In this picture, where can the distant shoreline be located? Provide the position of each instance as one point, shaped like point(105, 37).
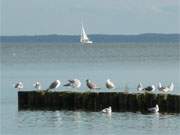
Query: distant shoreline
point(97, 38)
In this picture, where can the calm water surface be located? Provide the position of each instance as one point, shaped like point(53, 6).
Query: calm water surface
point(125, 63)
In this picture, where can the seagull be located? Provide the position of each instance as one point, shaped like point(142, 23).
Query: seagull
point(107, 110)
point(75, 83)
point(110, 84)
point(91, 85)
point(54, 85)
point(171, 86)
point(149, 88)
point(161, 88)
point(37, 85)
point(140, 87)
point(165, 89)
point(19, 85)
point(154, 109)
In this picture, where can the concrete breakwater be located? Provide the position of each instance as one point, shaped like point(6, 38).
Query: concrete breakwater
point(96, 101)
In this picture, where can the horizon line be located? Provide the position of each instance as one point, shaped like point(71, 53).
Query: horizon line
point(89, 34)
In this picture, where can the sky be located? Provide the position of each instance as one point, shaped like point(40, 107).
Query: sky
point(44, 17)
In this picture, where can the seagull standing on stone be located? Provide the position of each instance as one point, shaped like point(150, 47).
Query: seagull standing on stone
point(161, 88)
point(110, 84)
point(171, 86)
point(37, 85)
point(54, 85)
point(75, 83)
point(19, 85)
point(165, 89)
point(150, 88)
point(154, 109)
point(107, 110)
point(91, 85)
point(140, 87)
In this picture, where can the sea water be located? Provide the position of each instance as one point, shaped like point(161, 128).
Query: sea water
point(126, 64)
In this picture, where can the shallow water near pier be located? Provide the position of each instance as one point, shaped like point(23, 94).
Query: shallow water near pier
point(126, 64)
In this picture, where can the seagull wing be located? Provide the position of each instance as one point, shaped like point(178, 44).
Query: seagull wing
point(16, 85)
point(53, 85)
point(68, 84)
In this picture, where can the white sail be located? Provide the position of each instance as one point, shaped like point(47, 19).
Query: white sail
point(84, 35)
point(84, 38)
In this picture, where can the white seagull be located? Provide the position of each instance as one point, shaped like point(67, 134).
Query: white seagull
point(37, 85)
point(154, 109)
point(150, 88)
point(91, 85)
point(171, 86)
point(140, 87)
point(110, 84)
point(107, 110)
point(161, 88)
point(54, 85)
point(165, 89)
point(19, 85)
point(75, 83)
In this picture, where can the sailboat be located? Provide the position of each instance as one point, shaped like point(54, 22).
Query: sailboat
point(84, 38)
